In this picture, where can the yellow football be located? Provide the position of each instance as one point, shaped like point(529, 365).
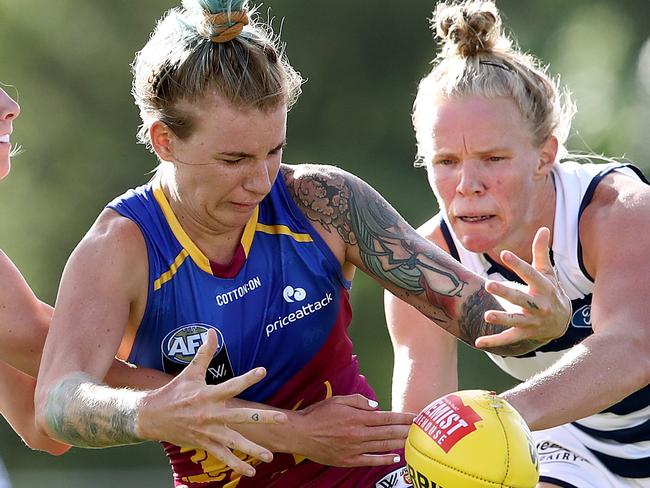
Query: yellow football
point(471, 439)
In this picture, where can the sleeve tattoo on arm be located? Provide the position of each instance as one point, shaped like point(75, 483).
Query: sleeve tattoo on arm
point(83, 413)
point(393, 252)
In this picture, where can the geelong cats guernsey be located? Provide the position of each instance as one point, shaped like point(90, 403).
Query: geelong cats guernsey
point(282, 303)
point(619, 436)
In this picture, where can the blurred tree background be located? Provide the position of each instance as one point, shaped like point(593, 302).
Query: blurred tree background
point(67, 62)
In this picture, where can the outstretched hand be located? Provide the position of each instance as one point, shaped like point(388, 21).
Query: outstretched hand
point(190, 413)
point(543, 308)
point(348, 431)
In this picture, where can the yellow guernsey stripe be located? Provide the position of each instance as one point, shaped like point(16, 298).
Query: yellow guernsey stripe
point(194, 252)
point(283, 229)
point(167, 275)
point(249, 232)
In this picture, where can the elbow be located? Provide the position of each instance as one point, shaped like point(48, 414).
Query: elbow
point(40, 442)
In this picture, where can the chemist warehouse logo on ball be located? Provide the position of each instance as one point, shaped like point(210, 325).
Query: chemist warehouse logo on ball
point(297, 296)
point(447, 421)
point(181, 345)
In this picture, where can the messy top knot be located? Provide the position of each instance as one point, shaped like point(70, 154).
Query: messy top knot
point(222, 20)
point(218, 46)
point(477, 59)
point(467, 29)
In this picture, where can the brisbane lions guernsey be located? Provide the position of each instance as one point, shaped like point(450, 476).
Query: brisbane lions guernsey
point(282, 303)
point(619, 436)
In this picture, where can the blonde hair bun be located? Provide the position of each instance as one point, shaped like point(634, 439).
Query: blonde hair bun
point(467, 29)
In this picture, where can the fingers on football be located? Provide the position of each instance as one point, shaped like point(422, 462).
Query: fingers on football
point(373, 460)
point(386, 433)
point(390, 419)
point(384, 445)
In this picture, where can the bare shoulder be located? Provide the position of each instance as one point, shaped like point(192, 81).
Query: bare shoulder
point(323, 193)
point(618, 213)
point(113, 247)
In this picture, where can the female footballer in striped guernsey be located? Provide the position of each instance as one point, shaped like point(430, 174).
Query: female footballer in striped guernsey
point(491, 126)
point(24, 321)
point(226, 239)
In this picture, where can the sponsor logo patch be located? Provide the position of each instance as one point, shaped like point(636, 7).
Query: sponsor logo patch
point(293, 317)
point(582, 317)
point(179, 347)
point(239, 292)
point(291, 294)
point(447, 421)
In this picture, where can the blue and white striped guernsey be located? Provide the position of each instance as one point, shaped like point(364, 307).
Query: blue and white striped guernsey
point(619, 436)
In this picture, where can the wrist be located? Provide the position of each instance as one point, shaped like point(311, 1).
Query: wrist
point(288, 436)
point(144, 416)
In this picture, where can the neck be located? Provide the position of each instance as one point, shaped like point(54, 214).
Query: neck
point(216, 241)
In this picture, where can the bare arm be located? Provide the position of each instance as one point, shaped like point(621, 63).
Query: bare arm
point(24, 320)
point(614, 361)
point(382, 244)
point(24, 323)
point(425, 357)
point(103, 287)
point(17, 406)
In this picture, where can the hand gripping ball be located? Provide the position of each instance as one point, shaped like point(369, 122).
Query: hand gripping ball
point(471, 439)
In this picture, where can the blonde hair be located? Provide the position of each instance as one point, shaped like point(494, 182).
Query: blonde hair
point(210, 45)
point(477, 59)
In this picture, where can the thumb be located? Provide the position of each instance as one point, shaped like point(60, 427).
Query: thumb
point(204, 355)
point(541, 256)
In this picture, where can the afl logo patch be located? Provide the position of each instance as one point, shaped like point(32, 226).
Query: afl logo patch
point(179, 347)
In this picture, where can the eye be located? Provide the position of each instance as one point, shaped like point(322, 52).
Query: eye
point(444, 162)
point(232, 161)
point(278, 149)
point(495, 159)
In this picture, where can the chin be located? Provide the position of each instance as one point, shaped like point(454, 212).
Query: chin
point(478, 243)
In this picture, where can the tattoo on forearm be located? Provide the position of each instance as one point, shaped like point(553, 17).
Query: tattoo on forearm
point(83, 413)
point(393, 252)
point(471, 321)
point(390, 252)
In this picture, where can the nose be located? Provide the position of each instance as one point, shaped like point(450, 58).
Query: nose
point(9, 109)
point(261, 177)
point(470, 179)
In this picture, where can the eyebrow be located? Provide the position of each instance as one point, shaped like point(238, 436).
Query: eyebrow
point(239, 154)
point(450, 154)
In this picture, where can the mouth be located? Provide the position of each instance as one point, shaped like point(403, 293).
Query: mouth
point(4, 139)
point(244, 206)
point(473, 219)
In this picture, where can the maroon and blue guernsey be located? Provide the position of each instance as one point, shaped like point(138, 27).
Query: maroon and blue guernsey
point(282, 303)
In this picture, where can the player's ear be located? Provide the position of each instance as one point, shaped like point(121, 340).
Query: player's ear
point(162, 140)
point(547, 153)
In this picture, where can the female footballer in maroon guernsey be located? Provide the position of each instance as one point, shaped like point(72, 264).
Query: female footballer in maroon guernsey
point(24, 321)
